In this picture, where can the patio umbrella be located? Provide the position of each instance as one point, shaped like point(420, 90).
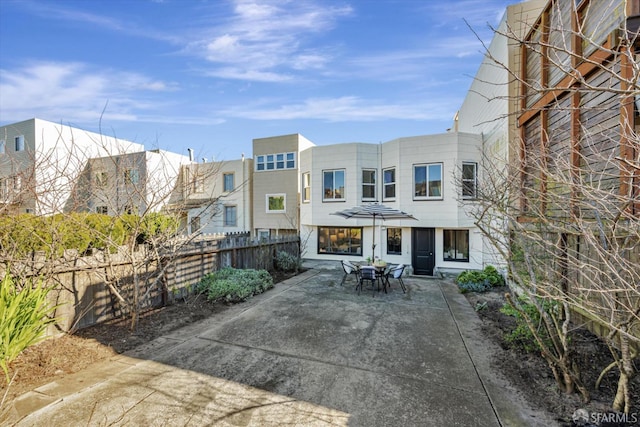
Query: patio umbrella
point(373, 211)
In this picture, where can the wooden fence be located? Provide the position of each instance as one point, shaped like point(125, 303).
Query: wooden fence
point(84, 285)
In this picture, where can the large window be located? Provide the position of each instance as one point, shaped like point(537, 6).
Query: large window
point(456, 245)
point(469, 180)
point(333, 185)
point(306, 187)
point(427, 181)
point(230, 216)
point(368, 184)
point(227, 182)
point(347, 240)
point(276, 161)
point(394, 241)
point(389, 176)
point(276, 203)
point(195, 224)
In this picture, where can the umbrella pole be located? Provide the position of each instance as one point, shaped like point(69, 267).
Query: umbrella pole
point(373, 245)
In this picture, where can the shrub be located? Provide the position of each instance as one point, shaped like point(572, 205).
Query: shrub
point(287, 262)
point(479, 281)
point(232, 285)
point(23, 318)
point(521, 335)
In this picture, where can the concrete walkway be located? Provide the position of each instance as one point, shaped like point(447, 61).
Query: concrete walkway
point(308, 352)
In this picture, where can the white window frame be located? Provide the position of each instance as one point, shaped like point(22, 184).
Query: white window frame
point(428, 177)
point(344, 180)
point(473, 182)
point(369, 185)
point(391, 184)
point(275, 161)
point(306, 187)
point(226, 222)
point(19, 143)
point(224, 182)
point(274, 196)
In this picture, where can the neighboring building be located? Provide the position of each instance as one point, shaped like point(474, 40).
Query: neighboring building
point(127, 183)
point(40, 162)
point(215, 197)
point(577, 115)
point(276, 184)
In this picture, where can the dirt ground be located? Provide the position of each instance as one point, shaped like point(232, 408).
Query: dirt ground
point(53, 358)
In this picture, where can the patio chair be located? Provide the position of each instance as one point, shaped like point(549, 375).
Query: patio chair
point(396, 273)
point(367, 273)
point(348, 270)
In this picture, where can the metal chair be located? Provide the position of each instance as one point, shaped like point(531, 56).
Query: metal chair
point(367, 273)
point(348, 270)
point(396, 273)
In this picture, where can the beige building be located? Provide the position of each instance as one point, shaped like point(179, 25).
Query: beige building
point(276, 184)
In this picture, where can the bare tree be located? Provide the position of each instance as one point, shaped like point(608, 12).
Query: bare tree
point(565, 213)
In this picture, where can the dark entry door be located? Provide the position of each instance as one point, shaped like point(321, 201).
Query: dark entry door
point(423, 244)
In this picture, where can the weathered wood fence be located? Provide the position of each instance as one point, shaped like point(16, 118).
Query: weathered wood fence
point(84, 285)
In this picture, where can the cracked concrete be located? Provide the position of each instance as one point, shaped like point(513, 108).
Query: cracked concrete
point(308, 352)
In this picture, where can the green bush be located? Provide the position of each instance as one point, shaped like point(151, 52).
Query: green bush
point(232, 285)
point(479, 281)
point(24, 316)
point(521, 335)
point(287, 262)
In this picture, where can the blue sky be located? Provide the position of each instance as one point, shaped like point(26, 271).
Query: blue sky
point(213, 75)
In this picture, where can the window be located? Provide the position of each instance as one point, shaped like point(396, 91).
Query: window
point(456, 245)
point(427, 181)
point(368, 184)
point(347, 240)
point(4, 192)
point(17, 184)
point(469, 180)
point(227, 182)
point(230, 216)
point(3, 145)
point(128, 209)
point(276, 161)
point(198, 184)
point(306, 187)
point(102, 179)
point(394, 241)
point(389, 177)
point(291, 161)
point(19, 142)
point(194, 224)
point(333, 185)
point(131, 176)
point(276, 203)
point(102, 210)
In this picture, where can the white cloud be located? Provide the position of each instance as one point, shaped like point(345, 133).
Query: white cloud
point(265, 40)
point(75, 92)
point(341, 109)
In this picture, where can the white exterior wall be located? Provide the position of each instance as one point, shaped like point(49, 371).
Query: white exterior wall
point(211, 211)
point(450, 149)
point(53, 158)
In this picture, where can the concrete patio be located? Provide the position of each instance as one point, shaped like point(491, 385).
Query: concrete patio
point(309, 352)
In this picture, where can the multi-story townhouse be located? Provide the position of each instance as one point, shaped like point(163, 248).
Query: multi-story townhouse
point(276, 184)
point(40, 162)
point(215, 197)
point(426, 176)
point(127, 183)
